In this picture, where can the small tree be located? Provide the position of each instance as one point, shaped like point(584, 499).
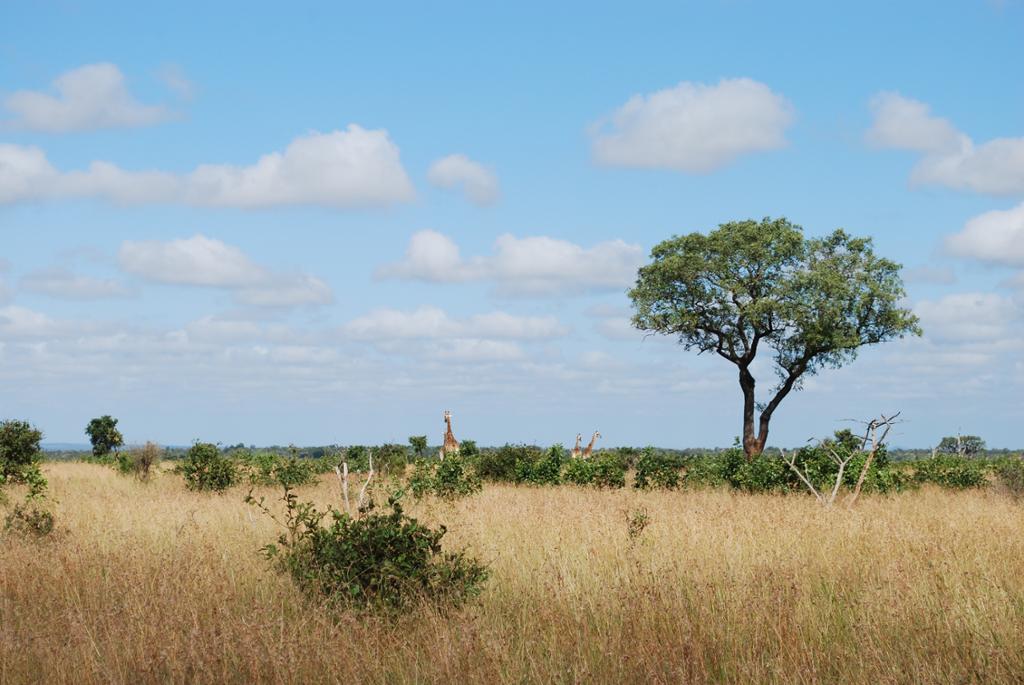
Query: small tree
point(419, 445)
point(103, 435)
point(749, 284)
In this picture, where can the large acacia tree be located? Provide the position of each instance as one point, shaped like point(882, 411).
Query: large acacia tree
point(751, 285)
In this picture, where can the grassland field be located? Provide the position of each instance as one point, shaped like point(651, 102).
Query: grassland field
point(149, 582)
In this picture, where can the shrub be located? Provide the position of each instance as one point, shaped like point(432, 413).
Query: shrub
point(816, 463)
point(468, 449)
point(267, 468)
point(656, 470)
point(950, 471)
point(545, 470)
point(763, 473)
point(450, 478)
point(28, 519)
point(205, 468)
point(140, 462)
point(501, 464)
point(609, 471)
point(20, 455)
point(579, 472)
point(390, 458)
point(1010, 475)
point(381, 561)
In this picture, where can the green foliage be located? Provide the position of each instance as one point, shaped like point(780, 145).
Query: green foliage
point(206, 469)
point(390, 459)
point(268, 468)
point(468, 449)
point(103, 435)
point(543, 469)
point(656, 470)
point(750, 285)
point(962, 445)
point(20, 456)
point(30, 520)
point(763, 473)
point(380, 561)
point(815, 462)
point(419, 445)
point(1010, 475)
point(609, 471)
point(579, 472)
point(501, 464)
point(450, 478)
point(950, 471)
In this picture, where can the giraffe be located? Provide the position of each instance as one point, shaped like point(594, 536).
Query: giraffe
point(451, 445)
point(590, 446)
point(576, 450)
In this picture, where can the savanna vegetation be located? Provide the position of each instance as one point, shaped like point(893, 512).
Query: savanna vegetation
point(838, 561)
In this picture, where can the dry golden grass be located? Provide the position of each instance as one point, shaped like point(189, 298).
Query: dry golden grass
point(152, 583)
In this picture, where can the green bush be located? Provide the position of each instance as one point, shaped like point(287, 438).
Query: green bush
point(609, 471)
point(951, 471)
point(544, 470)
point(267, 468)
point(390, 459)
point(20, 456)
point(1010, 476)
point(450, 478)
point(501, 464)
point(820, 468)
point(379, 561)
point(205, 468)
point(763, 473)
point(579, 472)
point(656, 470)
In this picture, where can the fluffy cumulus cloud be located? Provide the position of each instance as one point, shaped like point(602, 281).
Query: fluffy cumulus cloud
point(203, 261)
point(530, 266)
point(966, 317)
point(356, 167)
point(90, 97)
point(693, 127)
point(62, 283)
point(479, 183)
point(995, 237)
point(949, 157)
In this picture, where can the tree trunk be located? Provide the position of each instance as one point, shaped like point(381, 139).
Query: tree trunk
point(752, 446)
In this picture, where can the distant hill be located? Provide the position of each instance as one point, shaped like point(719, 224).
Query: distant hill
point(66, 447)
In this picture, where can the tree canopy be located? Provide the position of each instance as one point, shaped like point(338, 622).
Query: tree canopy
point(752, 284)
point(104, 435)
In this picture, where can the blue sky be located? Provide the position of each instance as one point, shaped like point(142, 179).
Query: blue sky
point(328, 224)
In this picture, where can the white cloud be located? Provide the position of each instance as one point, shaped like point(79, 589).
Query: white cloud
point(693, 127)
point(190, 261)
point(431, 322)
point(968, 317)
point(950, 158)
point(479, 183)
point(63, 283)
point(89, 97)
point(996, 237)
point(202, 261)
point(351, 168)
point(20, 322)
point(536, 265)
